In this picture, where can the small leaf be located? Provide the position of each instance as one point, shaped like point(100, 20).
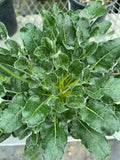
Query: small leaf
point(3, 31)
point(35, 111)
point(46, 65)
point(62, 60)
point(78, 90)
point(38, 72)
point(11, 118)
point(75, 101)
point(32, 148)
point(56, 104)
point(93, 141)
point(76, 68)
point(21, 63)
point(53, 145)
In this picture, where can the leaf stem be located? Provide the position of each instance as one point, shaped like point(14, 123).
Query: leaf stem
point(13, 74)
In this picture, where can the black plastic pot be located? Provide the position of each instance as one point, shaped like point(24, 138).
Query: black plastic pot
point(75, 5)
point(7, 16)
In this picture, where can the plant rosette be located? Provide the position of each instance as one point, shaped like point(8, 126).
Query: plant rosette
point(61, 80)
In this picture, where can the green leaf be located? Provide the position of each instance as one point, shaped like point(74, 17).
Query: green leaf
point(42, 53)
point(30, 34)
point(4, 51)
point(3, 137)
point(89, 49)
point(94, 92)
point(93, 141)
point(78, 90)
point(21, 63)
point(62, 60)
point(50, 80)
point(46, 65)
point(11, 118)
point(32, 148)
point(53, 145)
point(56, 104)
point(82, 30)
point(38, 72)
point(105, 56)
point(76, 68)
point(2, 91)
point(100, 117)
point(111, 89)
point(3, 31)
point(93, 10)
point(77, 53)
point(13, 46)
point(75, 101)
point(100, 28)
point(35, 111)
point(22, 132)
point(48, 19)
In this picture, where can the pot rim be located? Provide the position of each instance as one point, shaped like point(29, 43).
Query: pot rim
point(79, 3)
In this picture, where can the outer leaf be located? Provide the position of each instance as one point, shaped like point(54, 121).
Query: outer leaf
point(111, 89)
point(3, 137)
point(48, 19)
point(76, 68)
point(93, 10)
point(94, 92)
point(78, 90)
point(100, 28)
point(22, 132)
point(46, 65)
point(42, 53)
point(13, 46)
point(54, 144)
point(4, 51)
point(11, 118)
point(30, 34)
point(75, 101)
point(35, 111)
point(94, 142)
point(32, 148)
point(3, 31)
point(82, 30)
point(21, 63)
point(106, 55)
point(100, 117)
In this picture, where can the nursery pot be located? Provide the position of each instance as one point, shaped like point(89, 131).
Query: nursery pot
point(75, 5)
point(7, 16)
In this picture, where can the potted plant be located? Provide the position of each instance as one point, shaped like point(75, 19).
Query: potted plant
point(7, 16)
point(81, 4)
point(61, 81)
